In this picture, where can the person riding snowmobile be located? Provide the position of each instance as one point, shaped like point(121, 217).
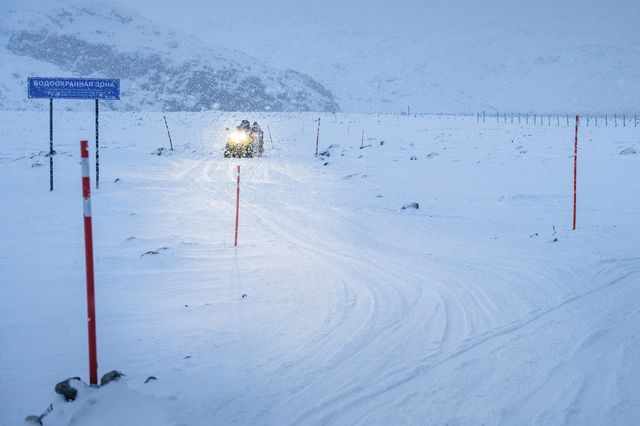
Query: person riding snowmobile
point(245, 141)
point(255, 128)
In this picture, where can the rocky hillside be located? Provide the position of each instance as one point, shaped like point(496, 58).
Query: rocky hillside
point(159, 68)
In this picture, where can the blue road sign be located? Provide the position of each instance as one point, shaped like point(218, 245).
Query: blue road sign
point(74, 88)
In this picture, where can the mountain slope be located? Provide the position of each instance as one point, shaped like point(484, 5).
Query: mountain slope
point(439, 55)
point(160, 69)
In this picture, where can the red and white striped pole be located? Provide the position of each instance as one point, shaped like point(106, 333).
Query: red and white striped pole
point(575, 172)
point(235, 244)
point(88, 245)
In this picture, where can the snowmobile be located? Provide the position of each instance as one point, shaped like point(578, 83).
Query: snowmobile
point(245, 141)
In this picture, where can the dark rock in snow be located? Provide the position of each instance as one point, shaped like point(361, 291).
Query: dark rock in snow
point(413, 158)
point(33, 420)
point(432, 154)
point(37, 420)
point(66, 389)
point(150, 378)
point(628, 151)
point(154, 251)
point(116, 180)
point(113, 375)
point(158, 151)
point(244, 295)
point(382, 143)
point(415, 206)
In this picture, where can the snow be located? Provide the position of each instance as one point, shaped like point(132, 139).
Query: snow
point(160, 69)
point(480, 307)
point(438, 55)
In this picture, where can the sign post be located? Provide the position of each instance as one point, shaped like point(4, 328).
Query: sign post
point(97, 150)
point(72, 88)
point(50, 144)
point(575, 172)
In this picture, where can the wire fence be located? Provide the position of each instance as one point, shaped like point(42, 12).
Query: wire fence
point(597, 120)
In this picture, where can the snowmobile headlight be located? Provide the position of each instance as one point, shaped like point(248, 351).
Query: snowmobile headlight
point(239, 137)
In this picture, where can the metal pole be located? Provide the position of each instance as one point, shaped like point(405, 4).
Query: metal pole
point(575, 172)
point(88, 245)
point(235, 244)
point(51, 144)
point(318, 137)
point(270, 138)
point(97, 150)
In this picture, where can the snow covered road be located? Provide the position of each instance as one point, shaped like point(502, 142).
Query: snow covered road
point(480, 307)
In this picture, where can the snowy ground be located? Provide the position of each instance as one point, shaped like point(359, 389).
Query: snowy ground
point(481, 307)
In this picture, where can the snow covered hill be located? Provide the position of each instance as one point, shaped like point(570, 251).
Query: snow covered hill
point(338, 306)
point(160, 68)
point(438, 55)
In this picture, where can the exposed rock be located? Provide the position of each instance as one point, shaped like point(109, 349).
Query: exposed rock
point(150, 378)
point(113, 375)
point(66, 389)
point(33, 420)
point(628, 151)
point(415, 206)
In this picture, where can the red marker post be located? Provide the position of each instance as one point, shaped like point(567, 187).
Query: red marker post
point(235, 244)
point(168, 132)
point(88, 245)
point(575, 172)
